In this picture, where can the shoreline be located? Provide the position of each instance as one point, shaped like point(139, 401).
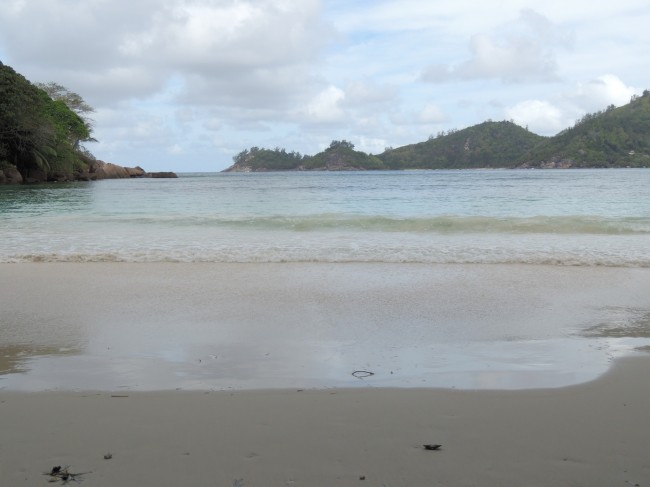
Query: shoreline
point(117, 327)
point(127, 326)
point(590, 434)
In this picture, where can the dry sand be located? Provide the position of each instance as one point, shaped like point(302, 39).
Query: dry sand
point(594, 434)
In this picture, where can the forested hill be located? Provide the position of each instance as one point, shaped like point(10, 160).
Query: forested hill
point(37, 133)
point(489, 144)
point(42, 131)
point(339, 156)
point(614, 137)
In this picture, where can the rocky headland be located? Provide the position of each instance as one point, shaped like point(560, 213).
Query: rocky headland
point(96, 170)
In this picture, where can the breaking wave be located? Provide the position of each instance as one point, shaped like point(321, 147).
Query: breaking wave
point(439, 224)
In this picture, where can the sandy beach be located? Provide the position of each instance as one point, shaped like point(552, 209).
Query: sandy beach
point(593, 434)
point(164, 326)
point(240, 375)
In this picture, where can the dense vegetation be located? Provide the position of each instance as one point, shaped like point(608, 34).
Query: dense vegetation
point(340, 155)
point(490, 144)
point(268, 159)
point(39, 133)
point(614, 137)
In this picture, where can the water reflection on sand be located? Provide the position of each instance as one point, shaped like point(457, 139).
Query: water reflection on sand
point(20, 358)
point(168, 326)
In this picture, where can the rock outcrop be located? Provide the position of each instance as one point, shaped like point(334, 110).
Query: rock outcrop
point(94, 171)
point(10, 175)
point(107, 170)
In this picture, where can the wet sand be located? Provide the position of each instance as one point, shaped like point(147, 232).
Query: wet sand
point(594, 434)
point(85, 346)
point(118, 326)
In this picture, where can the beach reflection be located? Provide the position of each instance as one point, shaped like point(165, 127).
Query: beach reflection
point(303, 364)
point(203, 327)
point(18, 358)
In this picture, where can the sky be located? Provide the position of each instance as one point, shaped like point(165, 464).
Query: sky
point(185, 85)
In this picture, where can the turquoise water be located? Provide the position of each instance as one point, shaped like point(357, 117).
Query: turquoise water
point(563, 217)
point(294, 325)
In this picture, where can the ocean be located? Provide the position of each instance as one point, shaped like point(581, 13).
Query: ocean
point(567, 217)
point(499, 279)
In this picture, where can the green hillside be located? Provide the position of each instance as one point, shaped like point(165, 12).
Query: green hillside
point(489, 144)
point(614, 137)
point(339, 156)
point(256, 159)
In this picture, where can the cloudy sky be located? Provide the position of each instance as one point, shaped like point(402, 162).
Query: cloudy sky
point(184, 85)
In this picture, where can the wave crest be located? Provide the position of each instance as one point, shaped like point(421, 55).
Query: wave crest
point(444, 224)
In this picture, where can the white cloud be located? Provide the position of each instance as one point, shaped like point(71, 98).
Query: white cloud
point(523, 51)
point(365, 93)
point(216, 76)
point(561, 110)
point(235, 47)
point(603, 91)
point(175, 150)
point(204, 36)
point(432, 113)
point(538, 116)
point(326, 106)
point(371, 145)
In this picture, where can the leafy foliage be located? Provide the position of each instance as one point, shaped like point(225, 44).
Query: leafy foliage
point(340, 155)
point(37, 133)
point(75, 103)
point(268, 159)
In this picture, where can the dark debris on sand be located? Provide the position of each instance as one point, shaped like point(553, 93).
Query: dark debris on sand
point(62, 474)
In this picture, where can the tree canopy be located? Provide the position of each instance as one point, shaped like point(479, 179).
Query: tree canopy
point(340, 155)
point(41, 130)
point(74, 102)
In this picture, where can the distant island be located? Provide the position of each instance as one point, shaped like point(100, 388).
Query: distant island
point(613, 137)
point(42, 131)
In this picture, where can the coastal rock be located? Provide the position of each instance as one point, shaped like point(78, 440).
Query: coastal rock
point(35, 176)
point(60, 177)
point(136, 172)
point(106, 170)
point(10, 175)
point(552, 163)
point(94, 171)
point(239, 168)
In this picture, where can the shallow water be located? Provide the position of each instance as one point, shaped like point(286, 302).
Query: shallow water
point(572, 217)
point(117, 326)
point(488, 279)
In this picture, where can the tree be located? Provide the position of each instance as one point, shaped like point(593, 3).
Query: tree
point(77, 104)
point(72, 100)
point(36, 131)
point(341, 144)
point(26, 136)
